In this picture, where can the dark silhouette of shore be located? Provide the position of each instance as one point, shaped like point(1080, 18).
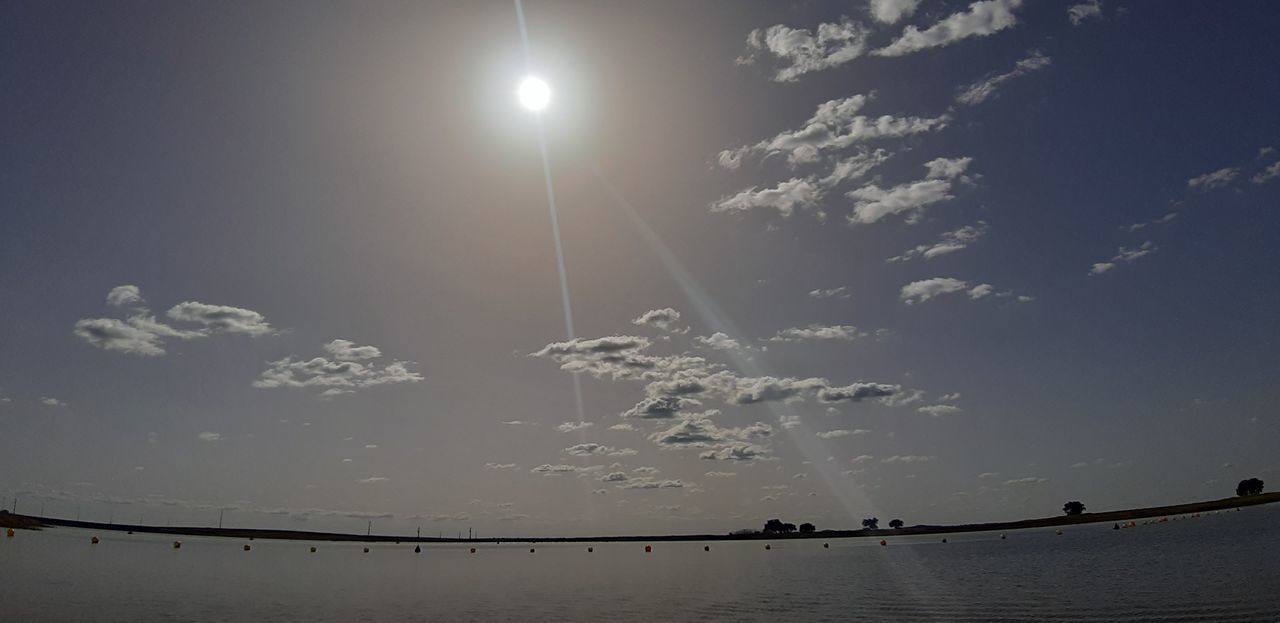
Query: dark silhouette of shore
point(9, 520)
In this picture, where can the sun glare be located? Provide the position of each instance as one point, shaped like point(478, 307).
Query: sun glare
point(534, 93)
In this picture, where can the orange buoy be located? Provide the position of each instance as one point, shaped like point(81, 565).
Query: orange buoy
point(247, 547)
point(177, 545)
point(883, 542)
point(473, 550)
point(648, 549)
point(93, 541)
point(9, 533)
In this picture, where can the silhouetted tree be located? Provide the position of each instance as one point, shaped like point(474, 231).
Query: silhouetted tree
point(1073, 508)
point(774, 526)
point(871, 523)
point(807, 528)
point(788, 528)
point(1252, 486)
point(895, 523)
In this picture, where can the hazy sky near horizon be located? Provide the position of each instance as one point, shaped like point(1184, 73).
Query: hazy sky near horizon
point(926, 259)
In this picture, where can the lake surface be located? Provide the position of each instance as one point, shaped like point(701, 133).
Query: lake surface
point(1223, 567)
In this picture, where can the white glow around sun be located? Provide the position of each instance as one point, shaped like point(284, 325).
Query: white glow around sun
point(534, 93)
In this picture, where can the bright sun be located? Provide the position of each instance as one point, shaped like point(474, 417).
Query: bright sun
point(534, 93)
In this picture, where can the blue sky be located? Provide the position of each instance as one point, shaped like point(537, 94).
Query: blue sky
point(938, 260)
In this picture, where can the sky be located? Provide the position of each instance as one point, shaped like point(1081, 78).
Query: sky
point(922, 259)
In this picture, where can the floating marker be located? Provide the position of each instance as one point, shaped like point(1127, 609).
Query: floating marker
point(247, 547)
point(366, 550)
point(530, 550)
point(706, 548)
point(767, 546)
point(648, 549)
point(313, 549)
point(883, 542)
point(826, 546)
point(93, 541)
point(177, 545)
point(1002, 537)
point(1059, 532)
point(9, 533)
point(473, 550)
point(590, 549)
point(944, 540)
point(417, 549)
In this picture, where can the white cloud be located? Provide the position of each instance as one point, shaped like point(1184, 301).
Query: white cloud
point(1078, 13)
point(828, 293)
point(118, 335)
point(1145, 224)
point(737, 452)
point(840, 432)
point(804, 51)
point(52, 402)
point(988, 475)
point(124, 295)
point(373, 479)
point(1125, 255)
point(1030, 480)
point(720, 474)
point(949, 242)
point(556, 470)
point(862, 458)
point(666, 319)
point(337, 376)
point(835, 125)
point(818, 333)
point(986, 88)
point(983, 18)
point(872, 203)
point(207, 436)
point(1214, 179)
point(1267, 174)
point(569, 427)
point(222, 318)
point(594, 449)
point(717, 341)
point(786, 198)
point(892, 11)
point(499, 465)
point(940, 410)
point(925, 289)
point(346, 350)
point(789, 422)
point(908, 459)
point(623, 426)
point(650, 483)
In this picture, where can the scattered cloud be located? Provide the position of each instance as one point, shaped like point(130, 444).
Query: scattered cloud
point(595, 449)
point(1215, 179)
point(142, 334)
point(789, 422)
point(908, 459)
point(949, 242)
point(818, 333)
point(840, 432)
point(872, 203)
point(52, 402)
point(1167, 218)
point(804, 51)
point(650, 483)
point(556, 470)
point(862, 458)
point(786, 198)
point(569, 427)
point(940, 410)
point(373, 479)
point(1079, 13)
point(120, 296)
point(720, 474)
point(1267, 174)
point(892, 11)
point(926, 289)
point(337, 376)
point(717, 341)
point(983, 18)
point(221, 318)
point(1030, 480)
point(988, 87)
point(1125, 255)
point(207, 436)
point(500, 466)
point(665, 319)
point(830, 293)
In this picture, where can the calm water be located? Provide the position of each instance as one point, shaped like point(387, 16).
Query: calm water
point(1216, 568)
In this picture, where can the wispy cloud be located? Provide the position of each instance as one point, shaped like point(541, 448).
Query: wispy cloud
point(988, 87)
point(983, 18)
point(950, 242)
point(803, 51)
point(1125, 255)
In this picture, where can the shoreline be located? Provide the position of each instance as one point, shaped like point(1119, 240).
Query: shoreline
point(27, 522)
